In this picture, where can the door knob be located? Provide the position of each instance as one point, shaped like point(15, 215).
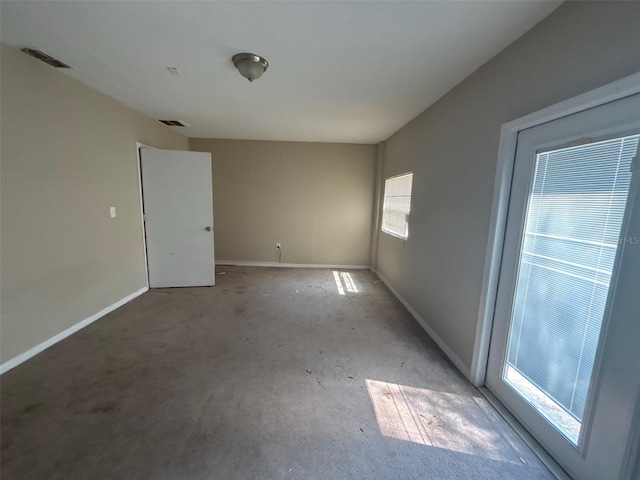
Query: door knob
point(208, 229)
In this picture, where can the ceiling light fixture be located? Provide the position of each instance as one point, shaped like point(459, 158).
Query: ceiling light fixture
point(250, 65)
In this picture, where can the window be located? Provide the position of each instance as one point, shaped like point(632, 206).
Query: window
point(397, 205)
point(571, 236)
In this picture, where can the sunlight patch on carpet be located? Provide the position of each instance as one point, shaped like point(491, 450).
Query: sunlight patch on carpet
point(460, 423)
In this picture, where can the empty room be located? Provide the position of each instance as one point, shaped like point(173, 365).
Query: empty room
point(320, 240)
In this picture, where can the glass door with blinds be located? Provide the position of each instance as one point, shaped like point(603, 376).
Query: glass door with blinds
point(565, 298)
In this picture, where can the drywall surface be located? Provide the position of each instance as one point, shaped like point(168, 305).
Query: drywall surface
point(68, 155)
point(452, 149)
point(314, 198)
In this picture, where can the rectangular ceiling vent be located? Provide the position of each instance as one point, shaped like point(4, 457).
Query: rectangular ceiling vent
point(43, 57)
point(174, 123)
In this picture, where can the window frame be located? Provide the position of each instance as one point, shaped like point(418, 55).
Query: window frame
point(394, 233)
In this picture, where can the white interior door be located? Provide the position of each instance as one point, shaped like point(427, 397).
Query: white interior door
point(178, 212)
point(566, 333)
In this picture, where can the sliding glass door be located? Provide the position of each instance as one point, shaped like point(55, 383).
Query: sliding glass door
point(568, 305)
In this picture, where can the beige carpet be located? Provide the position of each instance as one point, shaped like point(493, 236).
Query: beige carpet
point(272, 374)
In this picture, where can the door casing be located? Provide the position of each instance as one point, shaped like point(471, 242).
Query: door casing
point(502, 191)
point(493, 257)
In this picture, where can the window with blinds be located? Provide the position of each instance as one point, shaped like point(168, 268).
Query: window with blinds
point(572, 233)
point(397, 205)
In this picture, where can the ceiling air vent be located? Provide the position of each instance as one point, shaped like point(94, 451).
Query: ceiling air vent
point(43, 57)
point(174, 123)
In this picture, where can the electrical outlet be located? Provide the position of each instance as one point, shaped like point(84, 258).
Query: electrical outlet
point(278, 246)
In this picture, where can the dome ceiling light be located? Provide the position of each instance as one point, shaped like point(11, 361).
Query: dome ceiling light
point(250, 65)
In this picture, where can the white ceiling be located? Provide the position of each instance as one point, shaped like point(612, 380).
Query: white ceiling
point(339, 71)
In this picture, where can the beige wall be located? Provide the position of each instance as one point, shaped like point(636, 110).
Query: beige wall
point(452, 149)
point(68, 154)
point(314, 198)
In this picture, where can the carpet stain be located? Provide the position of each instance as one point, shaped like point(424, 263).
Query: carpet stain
point(32, 407)
point(104, 408)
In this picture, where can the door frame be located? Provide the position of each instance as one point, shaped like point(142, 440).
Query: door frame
point(617, 90)
point(144, 230)
point(501, 193)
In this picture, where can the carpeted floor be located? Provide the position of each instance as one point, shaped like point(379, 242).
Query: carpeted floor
point(272, 374)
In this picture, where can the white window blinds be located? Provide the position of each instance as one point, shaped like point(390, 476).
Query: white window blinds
point(397, 205)
point(572, 233)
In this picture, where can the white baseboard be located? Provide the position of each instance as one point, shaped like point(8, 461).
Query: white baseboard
point(443, 346)
point(23, 357)
point(242, 263)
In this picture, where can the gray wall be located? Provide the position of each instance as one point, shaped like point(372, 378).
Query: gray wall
point(452, 149)
point(314, 198)
point(68, 154)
